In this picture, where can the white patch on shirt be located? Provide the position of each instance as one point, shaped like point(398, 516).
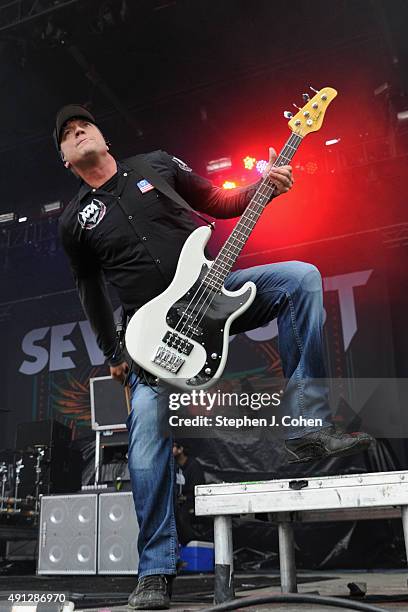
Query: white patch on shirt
point(180, 479)
point(182, 165)
point(92, 214)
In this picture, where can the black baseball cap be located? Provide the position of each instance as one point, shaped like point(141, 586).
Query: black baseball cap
point(70, 111)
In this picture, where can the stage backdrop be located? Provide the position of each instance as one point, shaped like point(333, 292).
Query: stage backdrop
point(51, 352)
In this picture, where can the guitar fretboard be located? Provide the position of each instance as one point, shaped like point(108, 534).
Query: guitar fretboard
point(234, 244)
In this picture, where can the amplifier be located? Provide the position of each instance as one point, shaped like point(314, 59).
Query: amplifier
point(68, 532)
point(118, 531)
point(42, 433)
point(88, 534)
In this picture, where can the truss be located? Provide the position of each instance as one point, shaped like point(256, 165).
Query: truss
point(34, 233)
point(16, 12)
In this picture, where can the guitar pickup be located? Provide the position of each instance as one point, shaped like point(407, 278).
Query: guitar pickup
point(173, 340)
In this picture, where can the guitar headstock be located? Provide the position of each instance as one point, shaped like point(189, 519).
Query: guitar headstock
point(310, 117)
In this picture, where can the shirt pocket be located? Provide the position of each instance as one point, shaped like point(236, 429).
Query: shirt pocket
point(158, 208)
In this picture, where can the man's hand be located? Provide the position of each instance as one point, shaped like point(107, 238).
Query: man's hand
point(281, 176)
point(119, 372)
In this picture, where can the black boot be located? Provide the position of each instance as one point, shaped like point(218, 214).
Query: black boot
point(327, 442)
point(151, 593)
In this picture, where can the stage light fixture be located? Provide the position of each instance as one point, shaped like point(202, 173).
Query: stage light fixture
point(229, 185)
point(8, 217)
point(381, 89)
point(216, 165)
point(333, 141)
point(402, 115)
point(249, 162)
point(51, 207)
point(261, 166)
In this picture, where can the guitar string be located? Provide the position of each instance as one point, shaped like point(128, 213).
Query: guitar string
point(260, 191)
point(239, 245)
point(214, 272)
point(222, 283)
point(189, 309)
point(235, 243)
point(217, 268)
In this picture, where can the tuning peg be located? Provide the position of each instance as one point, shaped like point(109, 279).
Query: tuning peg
point(313, 89)
point(288, 115)
point(306, 97)
point(296, 106)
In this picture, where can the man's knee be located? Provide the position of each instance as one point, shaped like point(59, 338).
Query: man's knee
point(306, 276)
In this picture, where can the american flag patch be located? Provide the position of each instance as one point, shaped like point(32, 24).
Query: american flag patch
point(144, 186)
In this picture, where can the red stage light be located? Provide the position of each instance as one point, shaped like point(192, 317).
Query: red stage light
point(229, 185)
point(261, 166)
point(249, 162)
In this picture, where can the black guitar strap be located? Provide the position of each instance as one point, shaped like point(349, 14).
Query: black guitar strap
point(144, 168)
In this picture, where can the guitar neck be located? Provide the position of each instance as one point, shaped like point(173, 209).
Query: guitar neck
point(234, 244)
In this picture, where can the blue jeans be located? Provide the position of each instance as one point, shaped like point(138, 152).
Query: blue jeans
point(152, 473)
point(290, 291)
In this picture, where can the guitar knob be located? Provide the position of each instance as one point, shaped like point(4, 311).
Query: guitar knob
point(306, 113)
point(309, 122)
point(298, 122)
point(214, 355)
point(288, 115)
point(315, 105)
point(324, 97)
point(207, 370)
point(306, 97)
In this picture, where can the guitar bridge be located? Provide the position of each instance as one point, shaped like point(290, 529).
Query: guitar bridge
point(168, 359)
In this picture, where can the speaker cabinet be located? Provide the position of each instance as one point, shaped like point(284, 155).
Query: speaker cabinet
point(49, 433)
point(67, 543)
point(61, 466)
point(118, 532)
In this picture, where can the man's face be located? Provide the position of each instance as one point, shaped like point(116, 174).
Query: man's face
point(177, 450)
point(81, 142)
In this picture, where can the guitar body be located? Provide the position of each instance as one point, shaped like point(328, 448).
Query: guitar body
point(187, 351)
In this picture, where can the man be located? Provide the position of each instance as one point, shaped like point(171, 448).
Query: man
point(121, 227)
point(189, 473)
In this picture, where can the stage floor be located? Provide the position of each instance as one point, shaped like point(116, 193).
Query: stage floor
point(386, 589)
point(381, 583)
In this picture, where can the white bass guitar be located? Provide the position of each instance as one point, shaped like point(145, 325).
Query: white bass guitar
point(182, 334)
